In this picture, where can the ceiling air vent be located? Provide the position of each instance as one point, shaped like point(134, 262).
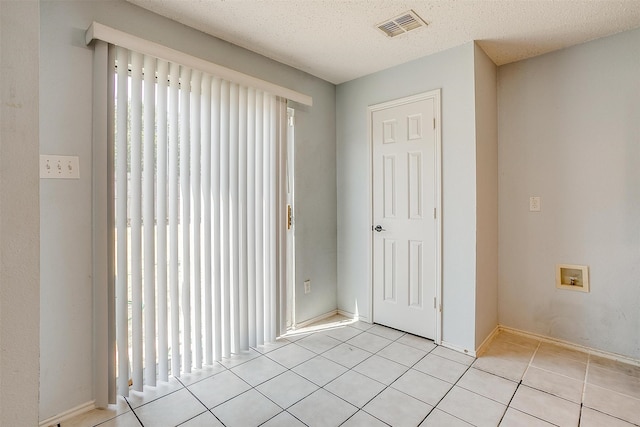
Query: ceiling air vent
point(401, 24)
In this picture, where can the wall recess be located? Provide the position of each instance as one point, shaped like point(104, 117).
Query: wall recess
point(572, 277)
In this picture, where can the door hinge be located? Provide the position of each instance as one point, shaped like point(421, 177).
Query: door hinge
point(435, 304)
point(434, 122)
point(291, 121)
point(289, 217)
point(434, 213)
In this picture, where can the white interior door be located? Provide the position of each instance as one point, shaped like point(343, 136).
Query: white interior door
point(405, 229)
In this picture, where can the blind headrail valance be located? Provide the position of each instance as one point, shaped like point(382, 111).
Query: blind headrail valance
point(110, 35)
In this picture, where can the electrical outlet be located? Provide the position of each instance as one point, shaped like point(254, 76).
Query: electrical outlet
point(59, 167)
point(534, 204)
point(307, 286)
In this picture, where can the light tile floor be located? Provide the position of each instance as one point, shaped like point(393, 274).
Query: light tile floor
point(357, 374)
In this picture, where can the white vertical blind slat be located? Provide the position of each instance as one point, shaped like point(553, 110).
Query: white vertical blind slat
point(205, 141)
point(225, 249)
point(259, 211)
point(185, 194)
point(266, 160)
point(174, 97)
point(234, 217)
point(161, 221)
point(242, 207)
point(122, 256)
point(196, 206)
point(149, 225)
point(251, 215)
point(216, 202)
point(136, 220)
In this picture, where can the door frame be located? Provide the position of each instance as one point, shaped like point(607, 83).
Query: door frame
point(436, 97)
point(288, 293)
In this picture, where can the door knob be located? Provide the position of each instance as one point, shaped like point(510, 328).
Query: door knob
point(379, 228)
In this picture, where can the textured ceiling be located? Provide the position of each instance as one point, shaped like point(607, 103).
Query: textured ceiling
point(337, 40)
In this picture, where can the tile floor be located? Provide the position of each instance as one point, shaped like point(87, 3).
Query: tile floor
point(357, 374)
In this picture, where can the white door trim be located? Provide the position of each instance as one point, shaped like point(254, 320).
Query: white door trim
point(435, 95)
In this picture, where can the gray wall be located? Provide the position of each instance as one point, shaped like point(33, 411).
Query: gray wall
point(453, 72)
point(486, 195)
point(65, 128)
point(19, 212)
point(569, 131)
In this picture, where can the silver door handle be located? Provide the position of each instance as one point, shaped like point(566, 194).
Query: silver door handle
point(378, 228)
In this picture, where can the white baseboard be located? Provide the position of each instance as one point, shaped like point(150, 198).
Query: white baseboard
point(73, 412)
point(487, 341)
point(572, 346)
point(315, 319)
point(354, 316)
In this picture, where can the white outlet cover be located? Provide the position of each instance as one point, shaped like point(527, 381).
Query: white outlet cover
point(534, 204)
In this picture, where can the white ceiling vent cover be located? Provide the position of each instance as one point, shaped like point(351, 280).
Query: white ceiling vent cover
point(401, 24)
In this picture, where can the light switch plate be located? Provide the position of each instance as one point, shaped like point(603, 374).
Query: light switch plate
point(59, 167)
point(534, 204)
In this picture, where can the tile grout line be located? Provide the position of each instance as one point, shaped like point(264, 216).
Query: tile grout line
point(530, 362)
point(132, 410)
point(613, 391)
point(542, 391)
point(352, 369)
point(449, 391)
point(348, 369)
point(386, 386)
point(186, 387)
point(182, 381)
point(409, 368)
point(507, 406)
point(511, 400)
point(281, 412)
point(323, 387)
point(612, 416)
point(203, 404)
point(157, 398)
point(519, 384)
point(547, 392)
point(358, 409)
point(556, 373)
point(230, 369)
point(584, 388)
point(287, 369)
point(255, 388)
point(259, 354)
point(586, 375)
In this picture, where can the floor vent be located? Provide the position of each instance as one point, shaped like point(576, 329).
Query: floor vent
point(401, 24)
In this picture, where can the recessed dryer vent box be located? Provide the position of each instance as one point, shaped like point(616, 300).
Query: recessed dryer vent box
point(572, 277)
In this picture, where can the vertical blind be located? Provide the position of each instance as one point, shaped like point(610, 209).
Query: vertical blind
point(197, 194)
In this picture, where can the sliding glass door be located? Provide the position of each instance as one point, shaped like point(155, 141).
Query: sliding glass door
point(199, 209)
